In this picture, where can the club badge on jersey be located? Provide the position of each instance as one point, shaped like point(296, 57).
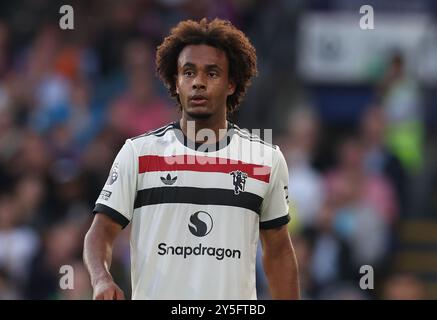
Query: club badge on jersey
point(239, 180)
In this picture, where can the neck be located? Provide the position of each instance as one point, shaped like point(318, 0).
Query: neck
point(218, 125)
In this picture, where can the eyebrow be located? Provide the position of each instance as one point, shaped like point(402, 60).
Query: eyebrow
point(208, 66)
point(189, 65)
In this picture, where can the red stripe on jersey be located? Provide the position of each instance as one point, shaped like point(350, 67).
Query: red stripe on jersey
point(202, 164)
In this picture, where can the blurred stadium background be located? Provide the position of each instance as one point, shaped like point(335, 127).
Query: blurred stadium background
point(353, 111)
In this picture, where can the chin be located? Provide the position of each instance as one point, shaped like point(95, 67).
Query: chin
point(199, 115)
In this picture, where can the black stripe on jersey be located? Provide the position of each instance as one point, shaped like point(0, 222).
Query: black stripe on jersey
point(278, 222)
point(154, 132)
point(161, 133)
point(113, 214)
point(201, 196)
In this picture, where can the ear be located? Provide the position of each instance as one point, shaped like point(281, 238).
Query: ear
point(231, 87)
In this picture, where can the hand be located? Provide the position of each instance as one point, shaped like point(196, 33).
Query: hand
point(107, 290)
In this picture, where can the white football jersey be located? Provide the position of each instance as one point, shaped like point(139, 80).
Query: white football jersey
point(195, 211)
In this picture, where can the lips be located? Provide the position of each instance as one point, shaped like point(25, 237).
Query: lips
point(198, 100)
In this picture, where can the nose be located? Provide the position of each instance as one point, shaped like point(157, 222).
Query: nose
point(199, 82)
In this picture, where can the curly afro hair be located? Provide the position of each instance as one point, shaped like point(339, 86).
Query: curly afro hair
point(220, 34)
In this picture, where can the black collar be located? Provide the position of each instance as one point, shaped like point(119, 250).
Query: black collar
point(199, 146)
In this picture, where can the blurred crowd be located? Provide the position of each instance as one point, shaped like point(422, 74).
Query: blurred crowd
point(69, 99)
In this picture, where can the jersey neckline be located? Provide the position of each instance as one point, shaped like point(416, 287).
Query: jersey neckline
point(204, 147)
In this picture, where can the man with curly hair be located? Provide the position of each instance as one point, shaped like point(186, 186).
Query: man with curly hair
point(196, 192)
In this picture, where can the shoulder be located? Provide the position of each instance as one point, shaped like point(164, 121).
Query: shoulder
point(159, 132)
point(152, 135)
point(145, 142)
point(253, 138)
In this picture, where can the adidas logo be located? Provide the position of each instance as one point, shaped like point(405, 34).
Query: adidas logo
point(169, 180)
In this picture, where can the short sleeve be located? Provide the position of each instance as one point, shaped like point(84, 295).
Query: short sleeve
point(274, 209)
point(118, 194)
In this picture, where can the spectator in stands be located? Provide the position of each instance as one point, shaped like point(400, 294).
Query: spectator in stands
point(18, 243)
point(364, 205)
point(402, 103)
point(139, 109)
point(306, 190)
point(378, 159)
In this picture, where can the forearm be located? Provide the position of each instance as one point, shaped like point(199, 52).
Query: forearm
point(97, 255)
point(282, 273)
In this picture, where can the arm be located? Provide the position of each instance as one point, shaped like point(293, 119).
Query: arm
point(97, 255)
point(280, 264)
